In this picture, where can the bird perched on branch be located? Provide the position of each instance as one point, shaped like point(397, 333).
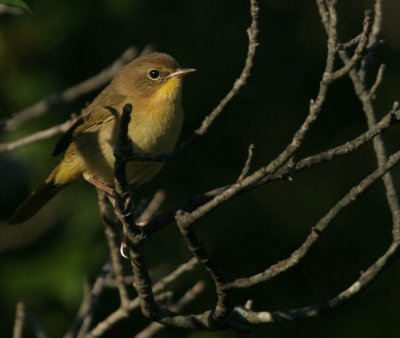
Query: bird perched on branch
point(152, 84)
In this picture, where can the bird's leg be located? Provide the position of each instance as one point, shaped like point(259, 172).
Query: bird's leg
point(104, 187)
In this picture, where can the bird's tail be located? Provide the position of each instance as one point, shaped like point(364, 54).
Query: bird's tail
point(43, 194)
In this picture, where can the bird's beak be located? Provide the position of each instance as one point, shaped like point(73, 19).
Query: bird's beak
point(181, 72)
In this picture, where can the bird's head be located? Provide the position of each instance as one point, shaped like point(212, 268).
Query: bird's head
point(155, 76)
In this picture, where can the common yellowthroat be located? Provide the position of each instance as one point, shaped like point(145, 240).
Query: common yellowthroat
point(152, 84)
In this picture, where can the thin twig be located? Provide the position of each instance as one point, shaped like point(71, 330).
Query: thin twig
point(350, 43)
point(142, 281)
point(348, 147)
point(341, 299)
point(152, 207)
point(298, 254)
point(83, 310)
point(275, 169)
point(284, 156)
point(19, 320)
point(95, 294)
point(358, 52)
point(114, 252)
point(373, 40)
point(70, 94)
point(377, 83)
point(294, 145)
point(319, 228)
point(359, 84)
point(38, 136)
point(158, 287)
point(247, 164)
point(252, 33)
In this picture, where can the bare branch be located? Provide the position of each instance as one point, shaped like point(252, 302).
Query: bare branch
point(273, 166)
point(377, 83)
point(70, 94)
point(344, 149)
point(187, 298)
point(96, 291)
point(106, 324)
point(294, 145)
point(358, 52)
point(247, 164)
point(252, 33)
point(319, 228)
point(358, 79)
point(355, 56)
point(377, 25)
point(114, 252)
point(119, 314)
point(83, 310)
point(19, 320)
point(167, 217)
point(152, 208)
point(342, 298)
point(299, 253)
point(350, 43)
point(224, 304)
point(124, 202)
point(373, 39)
point(173, 276)
point(38, 136)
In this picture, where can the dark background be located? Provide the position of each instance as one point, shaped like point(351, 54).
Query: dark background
point(44, 262)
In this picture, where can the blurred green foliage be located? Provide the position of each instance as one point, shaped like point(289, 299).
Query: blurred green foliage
point(44, 262)
point(16, 3)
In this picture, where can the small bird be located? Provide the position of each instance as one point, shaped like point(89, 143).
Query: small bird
point(152, 84)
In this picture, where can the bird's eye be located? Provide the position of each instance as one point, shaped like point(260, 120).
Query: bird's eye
point(154, 74)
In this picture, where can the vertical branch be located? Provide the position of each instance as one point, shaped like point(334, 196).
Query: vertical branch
point(83, 310)
point(246, 168)
point(365, 96)
point(114, 253)
point(97, 290)
point(124, 203)
point(332, 36)
point(224, 304)
point(123, 146)
point(124, 210)
point(359, 82)
point(142, 282)
point(373, 40)
point(19, 320)
point(252, 33)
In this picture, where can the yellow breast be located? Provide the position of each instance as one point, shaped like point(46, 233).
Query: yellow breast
point(154, 129)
